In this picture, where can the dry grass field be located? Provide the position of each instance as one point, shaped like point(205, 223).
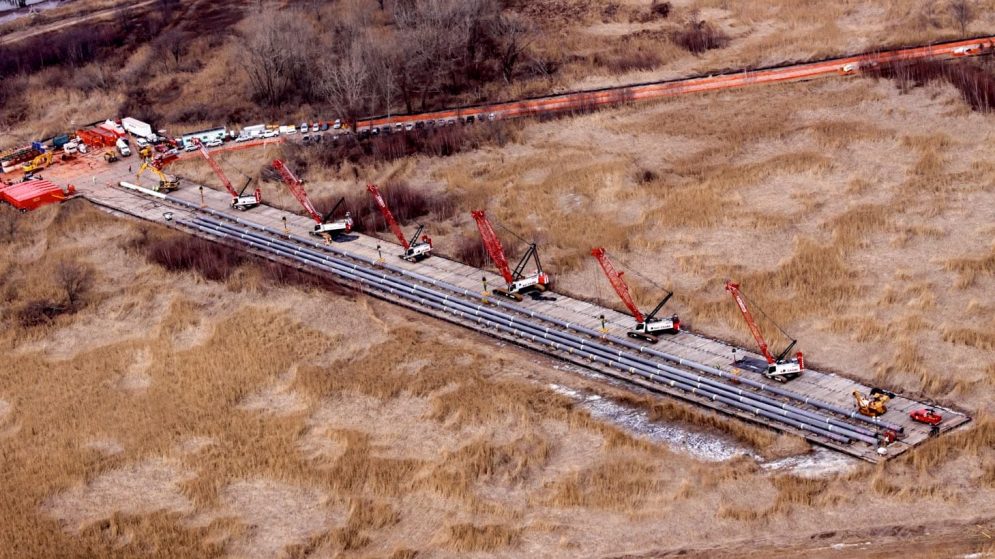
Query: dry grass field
point(157, 413)
point(172, 416)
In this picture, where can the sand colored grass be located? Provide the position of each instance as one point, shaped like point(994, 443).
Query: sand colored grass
point(408, 440)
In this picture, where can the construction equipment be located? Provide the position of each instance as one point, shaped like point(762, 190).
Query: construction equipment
point(323, 227)
point(874, 405)
point(414, 249)
point(647, 326)
point(110, 156)
point(239, 200)
point(927, 416)
point(38, 163)
point(145, 152)
point(167, 183)
point(518, 283)
point(778, 367)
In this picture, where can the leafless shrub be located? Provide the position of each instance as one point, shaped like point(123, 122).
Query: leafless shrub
point(976, 86)
point(471, 251)
point(698, 36)
point(40, 311)
point(179, 253)
point(406, 203)
point(660, 9)
point(76, 280)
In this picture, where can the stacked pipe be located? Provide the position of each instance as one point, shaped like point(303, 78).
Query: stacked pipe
point(735, 397)
point(846, 412)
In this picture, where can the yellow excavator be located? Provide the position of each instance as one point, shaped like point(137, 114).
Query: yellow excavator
point(167, 183)
point(873, 405)
point(38, 163)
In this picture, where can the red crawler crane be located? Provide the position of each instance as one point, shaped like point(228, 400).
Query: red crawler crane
point(517, 282)
point(322, 226)
point(414, 249)
point(778, 367)
point(648, 325)
point(239, 201)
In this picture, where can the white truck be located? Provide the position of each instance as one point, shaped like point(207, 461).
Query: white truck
point(254, 131)
point(122, 147)
point(286, 130)
point(139, 129)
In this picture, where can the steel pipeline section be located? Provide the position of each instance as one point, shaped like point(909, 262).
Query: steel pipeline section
point(466, 305)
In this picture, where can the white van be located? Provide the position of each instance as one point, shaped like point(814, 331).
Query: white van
point(122, 147)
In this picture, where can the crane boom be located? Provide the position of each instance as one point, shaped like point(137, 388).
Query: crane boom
point(733, 288)
point(492, 244)
point(217, 170)
point(615, 278)
point(297, 189)
point(387, 215)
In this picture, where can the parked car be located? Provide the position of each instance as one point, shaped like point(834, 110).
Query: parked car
point(409, 127)
point(337, 124)
point(323, 127)
point(375, 131)
point(142, 142)
point(451, 122)
point(271, 134)
point(214, 143)
point(190, 147)
point(304, 127)
point(491, 116)
point(306, 140)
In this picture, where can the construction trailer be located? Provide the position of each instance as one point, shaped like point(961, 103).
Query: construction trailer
point(139, 129)
point(96, 137)
point(114, 128)
point(30, 195)
point(204, 136)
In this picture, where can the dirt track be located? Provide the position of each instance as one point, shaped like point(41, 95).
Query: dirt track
point(30, 32)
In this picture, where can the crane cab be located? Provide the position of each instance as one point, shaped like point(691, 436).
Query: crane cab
point(333, 227)
point(785, 370)
point(417, 251)
point(247, 202)
point(537, 282)
point(649, 329)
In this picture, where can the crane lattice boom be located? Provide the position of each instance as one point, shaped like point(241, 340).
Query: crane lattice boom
point(733, 288)
point(297, 189)
point(217, 170)
point(615, 278)
point(492, 244)
point(388, 217)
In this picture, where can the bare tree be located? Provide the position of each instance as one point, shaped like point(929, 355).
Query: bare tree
point(75, 279)
point(347, 85)
point(963, 13)
point(172, 42)
point(515, 34)
point(278, 57)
